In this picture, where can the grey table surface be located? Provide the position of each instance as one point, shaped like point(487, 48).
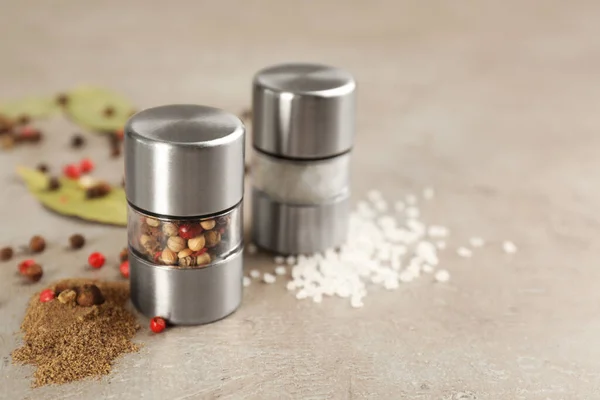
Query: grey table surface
point(495, 104)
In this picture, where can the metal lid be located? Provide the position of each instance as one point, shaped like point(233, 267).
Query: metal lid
point(303, 111)
point(184, 160)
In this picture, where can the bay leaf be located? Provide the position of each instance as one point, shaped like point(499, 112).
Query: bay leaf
point(87, 106)
point(70, 199)
point(33, 107)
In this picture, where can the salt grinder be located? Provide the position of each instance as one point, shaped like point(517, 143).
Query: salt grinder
point(303, 131)
point(184, 174)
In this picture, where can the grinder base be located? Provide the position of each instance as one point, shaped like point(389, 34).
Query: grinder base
point(191, 296)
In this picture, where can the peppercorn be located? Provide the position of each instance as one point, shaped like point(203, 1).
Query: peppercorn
point(109, 111)
point(157, 324)
point(77, 141)
point(76, 241)
point(43, 168)
point(86, 165)
point(176, 243)
point(30, 135)
point(196, 243)
point(6, 253)
point(124, 255)
point(170, 229)
point(37, 244)
point(124, 269)
point(208, 224)
point(67, 296)
point(96, 260)
point(23, 265)
point(53, 184)
point(47, 295)
point(72, 171)
point(62, 99)
point(203, 259)
point(34, 272)
point(89, 295)
point(212, 238)
point(23, 119)
point(98, 190)
point(168, 257)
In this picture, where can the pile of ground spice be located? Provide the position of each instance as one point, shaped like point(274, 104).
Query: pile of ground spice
point(68, 342)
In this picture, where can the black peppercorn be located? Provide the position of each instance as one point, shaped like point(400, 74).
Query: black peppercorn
point(53, 184)
point(109, 111)
point(76, 241)
point(62, 99)
point(34, 272)
point(42, 168)
point(37, 244)
point(89, 295)
point(6, 253)
point(77, 141)
point(23, 119)
point(124, 255)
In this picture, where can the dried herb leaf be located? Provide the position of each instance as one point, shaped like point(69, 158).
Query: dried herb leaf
point(70, 199)
point(33, 107)
point(88, 107)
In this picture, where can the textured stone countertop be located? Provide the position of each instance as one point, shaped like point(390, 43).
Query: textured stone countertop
point(494, 104)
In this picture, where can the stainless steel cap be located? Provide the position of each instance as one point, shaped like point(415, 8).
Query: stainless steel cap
point(184, 160)
point(303, 111)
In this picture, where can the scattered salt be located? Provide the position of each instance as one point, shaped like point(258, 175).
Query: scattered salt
point(255, 274)
point(279, 260)
point(509, 247)
point(476, 242)
point(269, 278)
point(383, 249)
point(442, 276)
point(246, 281)
point(464, 252)
point(280, 270)
point(251, 248)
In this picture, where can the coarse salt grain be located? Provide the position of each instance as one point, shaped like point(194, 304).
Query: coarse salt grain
point(464, 252)
point(509, 247)
point(442, 276)
point(374, 195)
point(279, 260)
point(412, 212)
point(255, 274)
point(251, 248)
point(280, 270)
point(437, 231)
point(291, 260)
point(399, 206)
point(440, 244)
point(428, 193)
point(246, 281)
point(476, 242)
point(269, 278)
point(411, 199)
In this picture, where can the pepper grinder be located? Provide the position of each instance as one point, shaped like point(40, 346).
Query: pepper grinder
point(303, 131)
point(184, 170)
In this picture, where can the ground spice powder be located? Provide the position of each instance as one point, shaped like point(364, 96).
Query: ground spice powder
point(67, 342)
